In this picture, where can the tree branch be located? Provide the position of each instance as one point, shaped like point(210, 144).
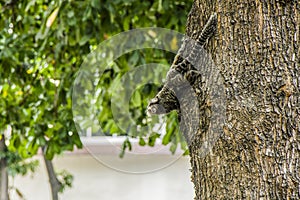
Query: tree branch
point(54, 182)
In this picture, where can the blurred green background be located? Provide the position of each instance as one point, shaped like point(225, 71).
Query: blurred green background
point(42, 45)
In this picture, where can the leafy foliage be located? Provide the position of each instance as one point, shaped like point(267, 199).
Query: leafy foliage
point(43, 43)
point(17, 165)
point(66, 179)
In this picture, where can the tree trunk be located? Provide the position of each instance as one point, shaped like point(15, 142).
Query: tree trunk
point(256, 49)
point(3, 172)
point(54, 182)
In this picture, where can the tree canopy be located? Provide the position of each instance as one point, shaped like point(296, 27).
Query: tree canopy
point(42, 45)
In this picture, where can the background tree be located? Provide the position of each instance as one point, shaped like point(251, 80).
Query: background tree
point(256, 50)
point(42, 45)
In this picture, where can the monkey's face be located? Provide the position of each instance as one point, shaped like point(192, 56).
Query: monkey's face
point(164, 102)
point(155, 108)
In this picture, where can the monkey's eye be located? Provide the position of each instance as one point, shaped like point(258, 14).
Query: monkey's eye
point(152, 110)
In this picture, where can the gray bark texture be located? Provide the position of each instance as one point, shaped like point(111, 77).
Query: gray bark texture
point(256, 49)
point(54, 182)
point(3, 173)
point(246, 146)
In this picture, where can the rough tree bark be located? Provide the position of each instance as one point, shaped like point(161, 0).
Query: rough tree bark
point(3, 173)
point(256, 49)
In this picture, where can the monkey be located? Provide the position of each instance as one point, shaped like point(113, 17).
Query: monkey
point(181, 75)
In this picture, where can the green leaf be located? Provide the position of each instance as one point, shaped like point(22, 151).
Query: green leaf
point(142, 142)
point(57, 126)
point(126, 145)
point(173, 148)
point(126, 23)
point(84, 40)
point(49, 153)
point(16, 142)
point(41, 141)
point(96, 4)
point(136, 99)
point(76, 140)
point(133, 60)
point(152, 139)
point(71, 14)
point(167, 137)
point(186, 152)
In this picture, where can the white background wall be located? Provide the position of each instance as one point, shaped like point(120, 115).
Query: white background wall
point(95, 181)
